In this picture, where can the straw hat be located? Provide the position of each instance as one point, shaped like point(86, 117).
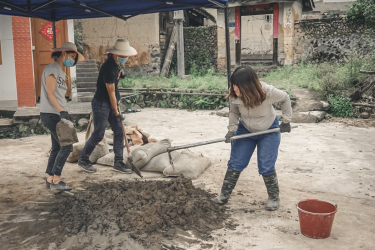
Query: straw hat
point(122, 48)
point(68, 46)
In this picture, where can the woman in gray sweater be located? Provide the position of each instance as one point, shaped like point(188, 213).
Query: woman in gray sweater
point(251, 111)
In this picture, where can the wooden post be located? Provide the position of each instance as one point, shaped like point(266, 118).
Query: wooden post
point(238, 35)
point(275, 32)
point(180, 50)
point(227, 43)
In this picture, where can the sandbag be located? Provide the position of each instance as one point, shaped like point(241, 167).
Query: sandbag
point(108, 134)
point(109, 141)
point(134, 133)
point(143, 154)
point(99, 151)
point(159, 162)
point(188, 165)
point(102, 148)
point(74, 155)
point(109, 159)
point(90, 130)
point(66, 132)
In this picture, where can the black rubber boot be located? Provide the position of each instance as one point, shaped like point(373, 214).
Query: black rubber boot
point(121, 167)
point(272, 186)
point(86, 165)
point(229, 183)
point(61, 186)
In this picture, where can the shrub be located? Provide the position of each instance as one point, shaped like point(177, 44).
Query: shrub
point(340, 106)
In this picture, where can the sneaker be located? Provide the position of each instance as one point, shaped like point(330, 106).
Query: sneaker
point(61, 186)
point(120, 166)
point(48, 185)
point(86, 165)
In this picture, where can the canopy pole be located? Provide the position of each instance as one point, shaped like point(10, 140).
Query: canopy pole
point(53, 18)
point(227, 43)
point(54, 33)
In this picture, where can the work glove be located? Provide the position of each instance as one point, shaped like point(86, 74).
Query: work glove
point(228, 136)
point(65, 115)
point(119, 117)
point(285, 127)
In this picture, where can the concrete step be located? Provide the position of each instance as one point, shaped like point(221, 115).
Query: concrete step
point(86, 85)
point(87, 66)
point(258, 62)
point(256, 57)
point(89, 61)
point(264, 68)
point(87, 74)
point(91, 89)
point(87, 79)
point(5, 123)
point(85, 96)
point(87, 70)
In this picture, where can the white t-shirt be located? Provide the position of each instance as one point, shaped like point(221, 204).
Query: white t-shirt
point(61, 88)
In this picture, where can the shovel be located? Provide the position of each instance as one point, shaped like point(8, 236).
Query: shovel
point(171, 149)
point(130, 159)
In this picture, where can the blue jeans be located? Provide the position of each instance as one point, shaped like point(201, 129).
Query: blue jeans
point(104, 112)
point(243, 149)
point(58, 155)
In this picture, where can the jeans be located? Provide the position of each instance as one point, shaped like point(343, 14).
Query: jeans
point(58, 155)
point(104, 112)
point(243, 149)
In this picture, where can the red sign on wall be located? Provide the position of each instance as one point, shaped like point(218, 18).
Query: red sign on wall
point(237, 18)
point(47, 31)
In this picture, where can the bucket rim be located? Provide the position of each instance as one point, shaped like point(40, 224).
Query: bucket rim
point(300, 209)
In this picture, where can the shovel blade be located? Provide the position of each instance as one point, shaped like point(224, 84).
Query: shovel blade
point(134, 168)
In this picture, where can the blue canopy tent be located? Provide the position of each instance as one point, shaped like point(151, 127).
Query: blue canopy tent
point(56, 10)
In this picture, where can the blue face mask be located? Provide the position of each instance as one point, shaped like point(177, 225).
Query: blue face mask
point(68, 62)
point(122, 60)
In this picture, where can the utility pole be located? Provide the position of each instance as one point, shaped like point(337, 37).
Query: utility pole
point(179, 18)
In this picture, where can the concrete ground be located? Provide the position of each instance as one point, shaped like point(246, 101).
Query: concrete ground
point(328, 161)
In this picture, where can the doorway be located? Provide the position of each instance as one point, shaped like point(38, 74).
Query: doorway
point(42, 53)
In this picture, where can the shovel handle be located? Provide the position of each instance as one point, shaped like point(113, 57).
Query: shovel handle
point(170, 149)
point(123, 131)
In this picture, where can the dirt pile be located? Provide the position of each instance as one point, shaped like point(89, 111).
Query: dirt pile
point(148, 210)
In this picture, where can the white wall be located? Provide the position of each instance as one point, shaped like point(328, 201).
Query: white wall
point(8, 86)
point(257, 34)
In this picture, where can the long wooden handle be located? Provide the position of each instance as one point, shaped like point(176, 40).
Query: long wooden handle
point(123, 131)
point(170, 149)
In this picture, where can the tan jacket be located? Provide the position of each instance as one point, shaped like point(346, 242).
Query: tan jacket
point(259, 118)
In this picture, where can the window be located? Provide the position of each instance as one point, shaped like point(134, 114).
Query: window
point(268, 18)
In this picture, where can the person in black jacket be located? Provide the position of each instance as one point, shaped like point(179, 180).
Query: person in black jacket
point(104, 106)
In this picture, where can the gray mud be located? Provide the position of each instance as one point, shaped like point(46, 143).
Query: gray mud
point(148, 212)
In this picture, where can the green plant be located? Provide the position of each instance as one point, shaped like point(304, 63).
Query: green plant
point(369, 63)
point(174, 79)
point(362, 12)
point(135, 94)
point(340, 106)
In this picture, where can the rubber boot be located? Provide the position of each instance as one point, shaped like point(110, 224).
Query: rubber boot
point(229, 183)
point(272, 186)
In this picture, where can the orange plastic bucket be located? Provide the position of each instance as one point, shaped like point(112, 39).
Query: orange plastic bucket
point(316, 218)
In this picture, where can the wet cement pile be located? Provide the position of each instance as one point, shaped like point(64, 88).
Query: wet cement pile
point(148, 211)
